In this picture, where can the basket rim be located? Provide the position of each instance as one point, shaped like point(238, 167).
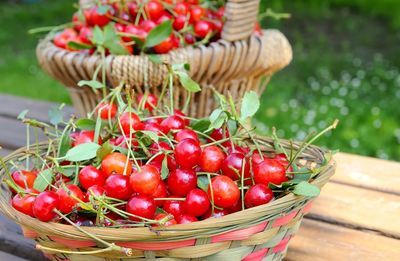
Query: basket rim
point(282, 206)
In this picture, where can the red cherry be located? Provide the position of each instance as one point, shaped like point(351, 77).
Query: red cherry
point(130, 29)
point(236, 207)
point(196, 202)
point(142, 206)
point(106, 110)
point(132, 8)
point(84, 136)
point(173, 123)
point(225, 192)
point(187, 153)
point(165, 46)
point(67, 202)
point(85, 35)
point(236, 148)
point(179, 22)
point(149, 104)
point(24, 179)
point(181, 181)
point(146, 180)
point(44, 205)
point(196, 14)
point(256, 158)
point(258, 30)
point(202, 28)
point(155, 127)
point(186, 219)
point(181, 9)
point(182, 115)
point(89, 176)
point(212, 158)
point(116, 163)
point(24, 204)
point(174, 207)
point(281, 158)
point(160, 192)
point(193, 2)
point(78, 24)
point(186, 134)
point(220, 12)
point(154, 10)
point(168, 223)
point(117, 186)
point(60, 41)
point(269, 171)
point(217, 213)
point(189, 38)
point(233, 164)
point(98, 19)
point(163, 147)
point(147, 25)
point(257, 195)
point(96, 190)
point(129, 123)
point(164, 17)
point(217, 25)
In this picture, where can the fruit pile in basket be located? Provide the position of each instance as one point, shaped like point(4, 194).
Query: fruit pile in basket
point(155, 26)
point(133, 163)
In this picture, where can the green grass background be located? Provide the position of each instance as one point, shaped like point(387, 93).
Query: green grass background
point(346, 66)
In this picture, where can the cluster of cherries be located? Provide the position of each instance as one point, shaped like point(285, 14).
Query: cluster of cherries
point(239, 176)
point(191, 21)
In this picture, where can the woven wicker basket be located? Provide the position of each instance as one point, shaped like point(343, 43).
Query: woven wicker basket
point(251, 235)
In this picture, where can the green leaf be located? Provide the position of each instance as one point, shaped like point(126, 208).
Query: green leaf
point(180, 67)
point(116, 48)
point(154, 58)
point(202, 182)
point(97, 129)
point(78, 46)
point(152, 135)
point(232, 126)
point(104, 150)
point(201, 125)
point(306, 189)
point(22, 114)
point(250, 105)
point(55, 116)
point(112, 41)
point(67, 171)
point(92, 83)
point(98, 36)
point(85, 124)
point(65, 144)
point(159, 34)
point(164, 168)
point(217, 119)
point(298, 178)
point(102, 10)
point(43, 180)
point(82, 152)
point(187, 82)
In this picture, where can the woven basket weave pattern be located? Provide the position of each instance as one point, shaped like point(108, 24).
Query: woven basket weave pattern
point(252, 234)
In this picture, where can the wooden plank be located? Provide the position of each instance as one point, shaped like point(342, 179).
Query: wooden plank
point(321, 241)
point(11, 106)
point(359, 208)
point(368, 172)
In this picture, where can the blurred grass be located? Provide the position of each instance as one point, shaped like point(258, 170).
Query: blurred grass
point(346, 66)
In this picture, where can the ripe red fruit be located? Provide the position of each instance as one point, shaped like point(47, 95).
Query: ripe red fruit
point(130, 29)
point(147, 25)
point(179, 22)
point(256, 158)
point(269, 171)
point(132, 8)
point(174, 207)
point(166, 224)
point(85, 35)
point(163, 147)
point(212, 158)
point(155, 127)
point(182, 115)
point(202, 28)
point(117, 186)
point(129, 123)
point(24, 203)
point(154, 10)
point(186, 134)
point(67, 202)
point(24, 179)
point(173, 123)
point(165, 46)
point(196, 14)
point(90, 176)
point(181, 9)
point(160, 192)
point(233, 164)
point(116, 163)
point(149, 104)
point(186, 219)
point(78, 24)
point(181, 181)
point(141, 206)
point(106, 110)
point(44, 205)
point(217, 213)
point(84, 136)
point(146, 180)
point(187, 153)
point(189, 38)
point(225, 192)
point(96, 190)
point(196, 202)
point(94, 18)
point(257, 195)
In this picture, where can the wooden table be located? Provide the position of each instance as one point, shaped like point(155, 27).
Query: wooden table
point(356, 217)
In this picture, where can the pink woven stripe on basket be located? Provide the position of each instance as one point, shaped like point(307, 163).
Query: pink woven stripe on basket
point(285, 219)
point(29, 233)
point(73, 243)
point(240, 234)
point(281, 245)
point(307, 207)
point(256, 256)
point(157, 245)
